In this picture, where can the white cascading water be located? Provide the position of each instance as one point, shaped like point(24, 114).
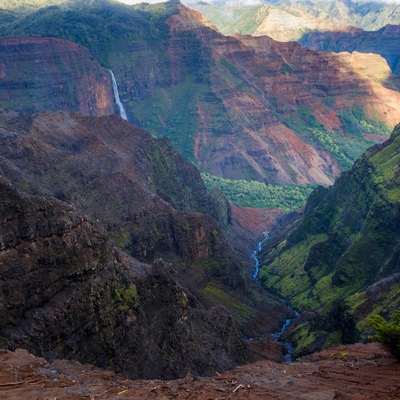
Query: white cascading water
point(121, 108)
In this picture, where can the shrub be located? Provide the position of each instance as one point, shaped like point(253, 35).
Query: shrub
point(388, 332)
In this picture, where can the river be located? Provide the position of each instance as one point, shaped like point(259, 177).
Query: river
point(278, 334)
point(121, 108)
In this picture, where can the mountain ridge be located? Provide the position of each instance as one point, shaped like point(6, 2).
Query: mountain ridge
point(191, 84)
point(298, 17)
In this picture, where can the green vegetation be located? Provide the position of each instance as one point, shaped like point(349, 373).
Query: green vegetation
point(241, 312)
point(258, 194)
point(355, 121)
point(345, 148)
point(243, 20)
point(126, 298)
point(345, 250)
point(388, 332)
point(106, 28)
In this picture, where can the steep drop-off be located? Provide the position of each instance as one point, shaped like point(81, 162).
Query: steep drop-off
point(342, 258)
point(152, 203)
point(43, 74)
point(239, 107)
point(67, 292)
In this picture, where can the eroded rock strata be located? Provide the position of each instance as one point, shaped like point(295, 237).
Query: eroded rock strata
point(49, 74)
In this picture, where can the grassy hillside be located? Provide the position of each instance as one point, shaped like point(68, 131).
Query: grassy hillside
point(343, 258)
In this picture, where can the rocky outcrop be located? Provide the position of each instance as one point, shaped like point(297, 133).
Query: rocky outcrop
point(43, 74)
point(343, 373)
point(342, 259)
point(67, 292)
point(151, 201)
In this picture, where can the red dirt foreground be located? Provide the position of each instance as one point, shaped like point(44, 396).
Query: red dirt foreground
point(343, 372)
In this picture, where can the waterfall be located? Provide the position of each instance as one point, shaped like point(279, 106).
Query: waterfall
point(122, 112)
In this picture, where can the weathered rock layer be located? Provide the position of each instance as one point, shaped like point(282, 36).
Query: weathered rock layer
point(44, 74)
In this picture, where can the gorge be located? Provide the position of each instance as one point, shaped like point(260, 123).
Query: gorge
point(121, 259)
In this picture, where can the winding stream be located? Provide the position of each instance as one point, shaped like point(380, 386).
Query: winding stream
point(121, 108)
point(278, 334)
point(255, 258)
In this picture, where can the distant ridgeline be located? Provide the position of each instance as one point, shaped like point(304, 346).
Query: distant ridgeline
point(240, 108)
point(287, 20)
point(342, 260)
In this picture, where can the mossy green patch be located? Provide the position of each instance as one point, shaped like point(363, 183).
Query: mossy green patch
point(126, 298)
point(303, 336)
point(258, 194)
point(285, 274)
point(240, 311)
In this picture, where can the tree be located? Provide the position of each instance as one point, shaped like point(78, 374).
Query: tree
point(388, 332)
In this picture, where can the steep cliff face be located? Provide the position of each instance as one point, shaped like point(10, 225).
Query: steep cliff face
point(115, 173)
point(152, 203)
point(67, 292)
point(238, 107)
point(384, 42)
point(275, 96)
point(343, 258)
point(38, 74)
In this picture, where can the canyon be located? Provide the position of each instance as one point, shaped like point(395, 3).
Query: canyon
point(114, 255)
point(149, 201)
point(238, 107)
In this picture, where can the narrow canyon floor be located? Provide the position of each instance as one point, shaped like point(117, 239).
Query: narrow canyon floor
point(361, 371)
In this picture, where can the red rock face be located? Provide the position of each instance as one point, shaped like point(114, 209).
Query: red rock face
point(280, 79)
point(39, 74)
